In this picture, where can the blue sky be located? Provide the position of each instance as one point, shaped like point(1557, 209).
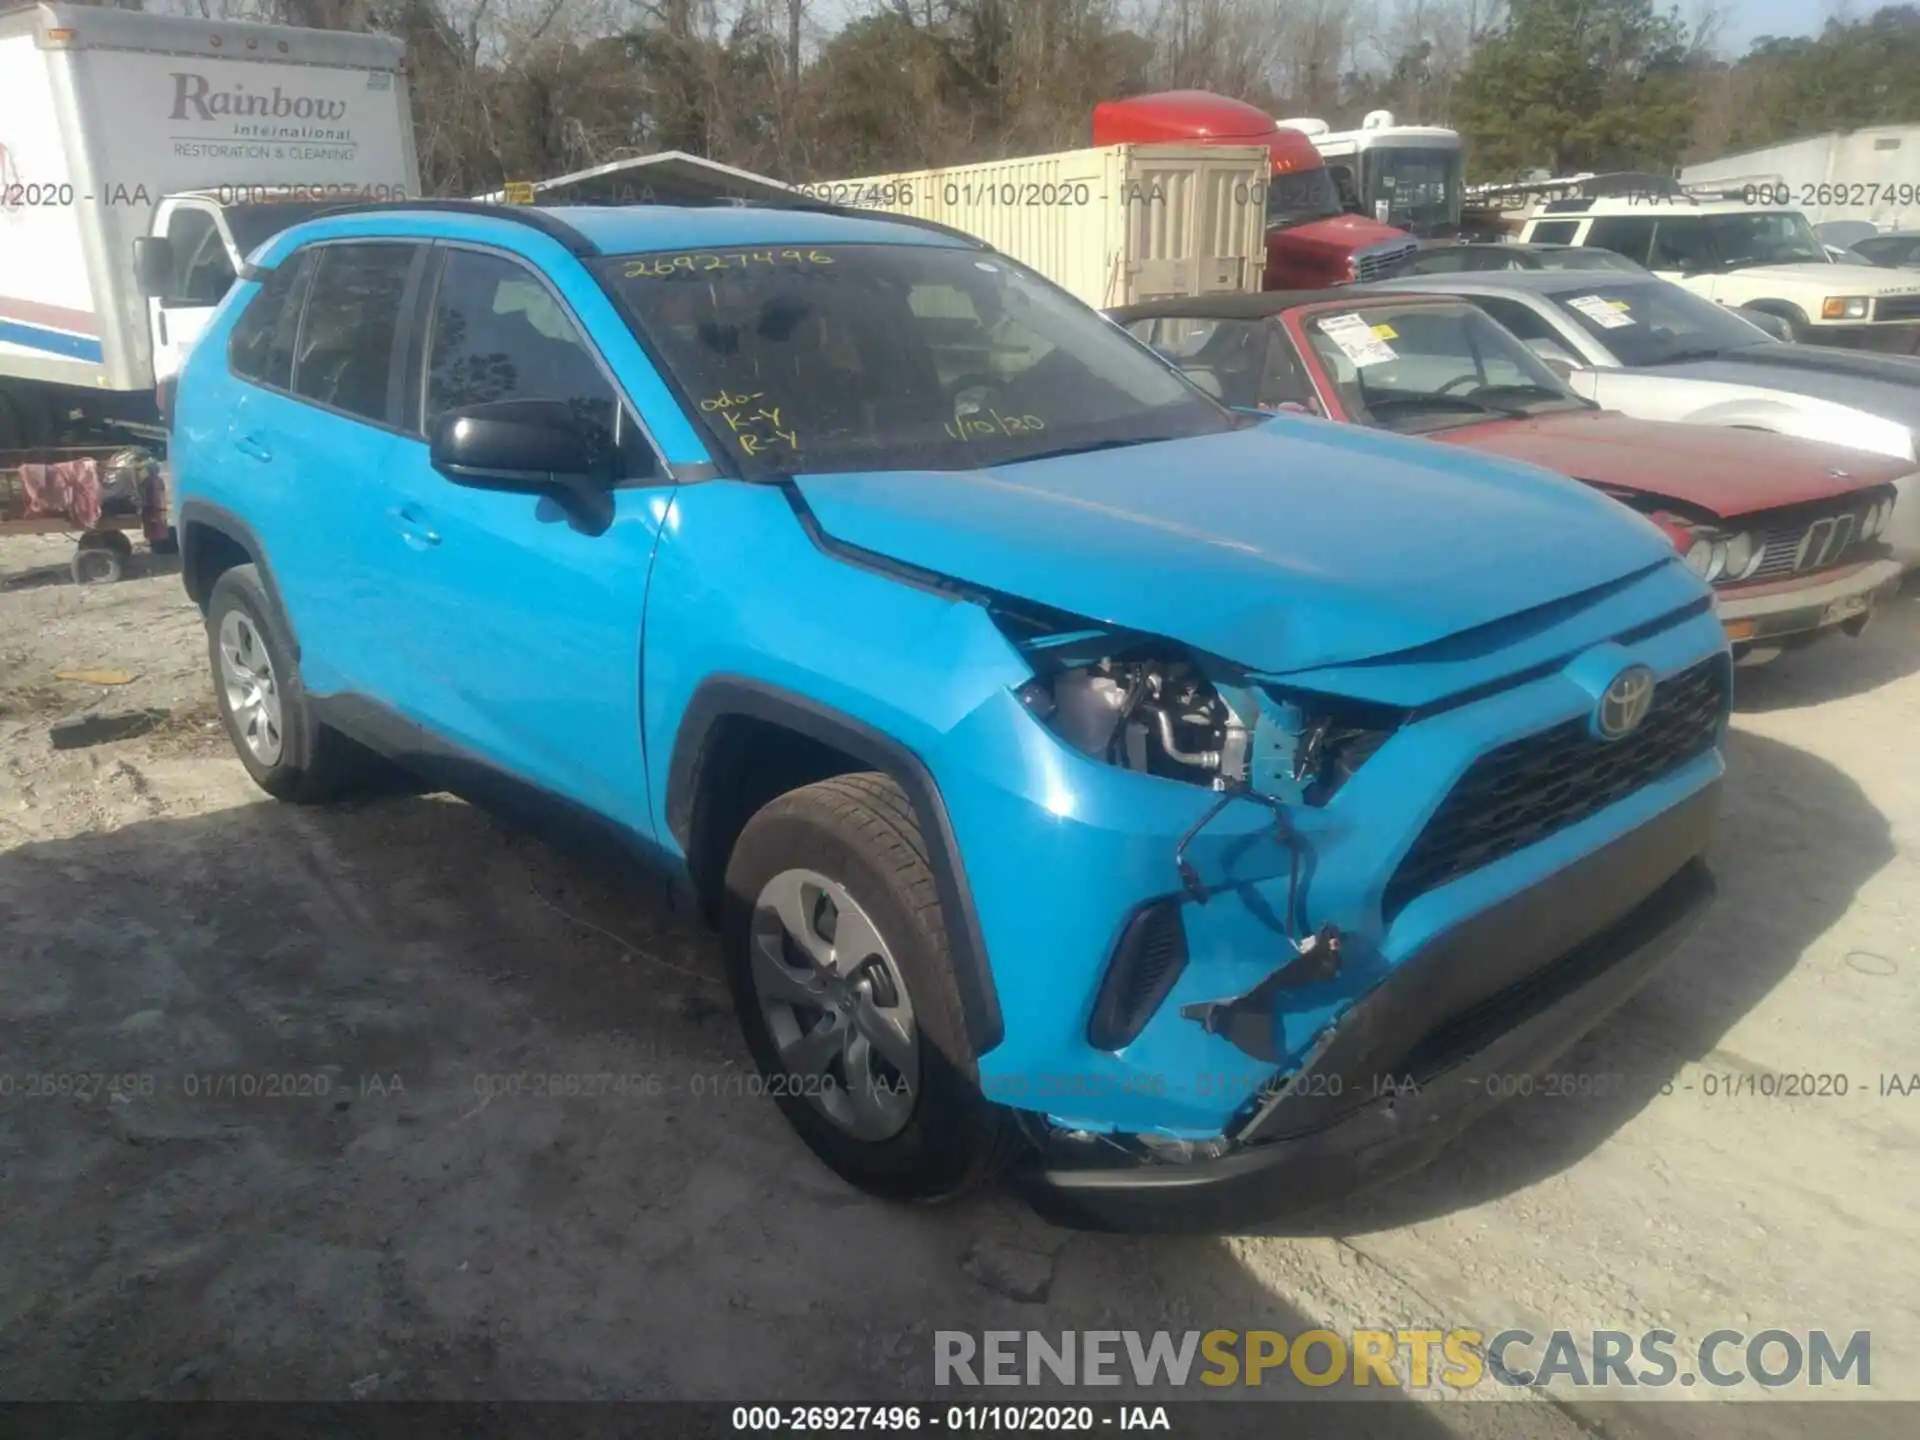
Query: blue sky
point(1748, 19)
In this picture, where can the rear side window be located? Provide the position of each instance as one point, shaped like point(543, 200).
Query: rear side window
point(261, 348)
point(1628, 235)
point(1554, 232)
point(344, 357)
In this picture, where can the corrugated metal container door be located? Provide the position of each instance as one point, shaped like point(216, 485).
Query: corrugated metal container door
point(1196, 222)
point(1121, 223)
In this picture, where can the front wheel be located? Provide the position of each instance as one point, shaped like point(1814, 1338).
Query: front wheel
point(842, 977)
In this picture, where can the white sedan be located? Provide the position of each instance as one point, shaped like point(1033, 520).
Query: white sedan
point(1647, 348)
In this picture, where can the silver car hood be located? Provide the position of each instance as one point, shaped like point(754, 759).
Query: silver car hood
point(1883, 385)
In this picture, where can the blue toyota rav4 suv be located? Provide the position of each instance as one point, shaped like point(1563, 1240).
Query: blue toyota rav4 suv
point(1192, 810)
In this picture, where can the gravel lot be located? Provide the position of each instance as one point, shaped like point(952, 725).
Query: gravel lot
point(388, 1231)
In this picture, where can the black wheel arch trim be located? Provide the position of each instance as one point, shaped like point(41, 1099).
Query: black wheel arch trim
point(721, 697)
point(195, 514)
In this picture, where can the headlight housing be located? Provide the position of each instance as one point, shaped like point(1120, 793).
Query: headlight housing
point(1846, 307)
point(1721, 557)
point(1877, 518)
point(1743, 553)
point(1707, 558)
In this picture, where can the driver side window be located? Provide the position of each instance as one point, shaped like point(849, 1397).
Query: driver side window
point(203, 272)
point(497, 333)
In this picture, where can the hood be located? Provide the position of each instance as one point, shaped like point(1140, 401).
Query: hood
point(1337, 234)
point(1726, 471)
point(1885, 385)
point(1839, 279)
point(1291, 544)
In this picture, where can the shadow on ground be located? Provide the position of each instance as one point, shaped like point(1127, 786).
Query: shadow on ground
point(1839, 665)
point(385, 1101)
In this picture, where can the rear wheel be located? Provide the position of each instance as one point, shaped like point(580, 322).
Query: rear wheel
point(289, 753)
point(843, 981)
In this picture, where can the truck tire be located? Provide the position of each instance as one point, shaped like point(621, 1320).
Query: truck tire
point(1794, 317)
point(257, 688)
point(842, 976)
point(101, 558)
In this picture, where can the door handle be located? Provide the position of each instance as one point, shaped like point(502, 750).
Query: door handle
point(413, 527)
point(252, 447)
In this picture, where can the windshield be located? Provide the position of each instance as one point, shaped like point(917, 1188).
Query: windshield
point(1730, 242)
point(1654, 324)
point(1297, 196)
point(1419, 186)
point(894, 357)
point(1420, 367)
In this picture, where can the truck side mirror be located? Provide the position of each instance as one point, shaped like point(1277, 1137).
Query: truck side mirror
point(153, 267)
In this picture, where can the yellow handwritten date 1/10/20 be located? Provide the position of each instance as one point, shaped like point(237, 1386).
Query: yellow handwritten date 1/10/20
point(969, 427)
point(705, 260)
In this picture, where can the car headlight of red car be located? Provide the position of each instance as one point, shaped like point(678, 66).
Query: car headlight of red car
point(1718, 556)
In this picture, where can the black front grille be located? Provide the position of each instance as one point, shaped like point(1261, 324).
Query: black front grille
point(1803, 541)
point(1523, 792)
point(1897, 307)
point(1374, 263)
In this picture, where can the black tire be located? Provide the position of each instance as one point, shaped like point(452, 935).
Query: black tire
point(860, 831)
point(95, 563)
point(316, 763)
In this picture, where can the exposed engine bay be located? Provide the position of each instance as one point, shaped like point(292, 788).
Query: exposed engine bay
point(1154, 709)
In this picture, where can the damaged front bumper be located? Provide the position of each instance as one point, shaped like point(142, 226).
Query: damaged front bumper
point(1409, 1066)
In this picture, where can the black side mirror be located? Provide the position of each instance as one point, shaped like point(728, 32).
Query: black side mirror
point(153, 267)
point(530, 447)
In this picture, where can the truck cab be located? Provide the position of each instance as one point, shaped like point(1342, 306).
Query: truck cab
point(1408, 176)
point(1311, 240)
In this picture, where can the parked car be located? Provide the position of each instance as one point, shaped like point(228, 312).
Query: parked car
point(1654, 351)
point(1745, 255)
point(1452, 259)
point(1083, 776)
point(1784, 530)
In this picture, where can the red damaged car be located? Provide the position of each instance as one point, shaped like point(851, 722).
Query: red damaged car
point(1785, 530)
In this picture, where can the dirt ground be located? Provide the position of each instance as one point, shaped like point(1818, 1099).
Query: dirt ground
point(371, 1220)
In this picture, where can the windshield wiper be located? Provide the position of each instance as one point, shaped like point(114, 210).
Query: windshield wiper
point(1087, 447)
point(1680, 356)
point(1545, 392)
point(1454, 402)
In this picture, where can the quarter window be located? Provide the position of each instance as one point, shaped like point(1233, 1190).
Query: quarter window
point(344, 358)
point(261, 348)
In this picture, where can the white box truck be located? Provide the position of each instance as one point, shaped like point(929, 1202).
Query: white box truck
point(1111, 225)
point(210, 136)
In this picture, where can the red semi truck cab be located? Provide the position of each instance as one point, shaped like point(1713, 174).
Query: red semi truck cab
point(1311, 240)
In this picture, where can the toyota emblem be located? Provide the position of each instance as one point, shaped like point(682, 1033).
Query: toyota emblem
point(1625, 703)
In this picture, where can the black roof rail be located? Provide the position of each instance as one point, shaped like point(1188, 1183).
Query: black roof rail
point(528, 215)
point(577, 244)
